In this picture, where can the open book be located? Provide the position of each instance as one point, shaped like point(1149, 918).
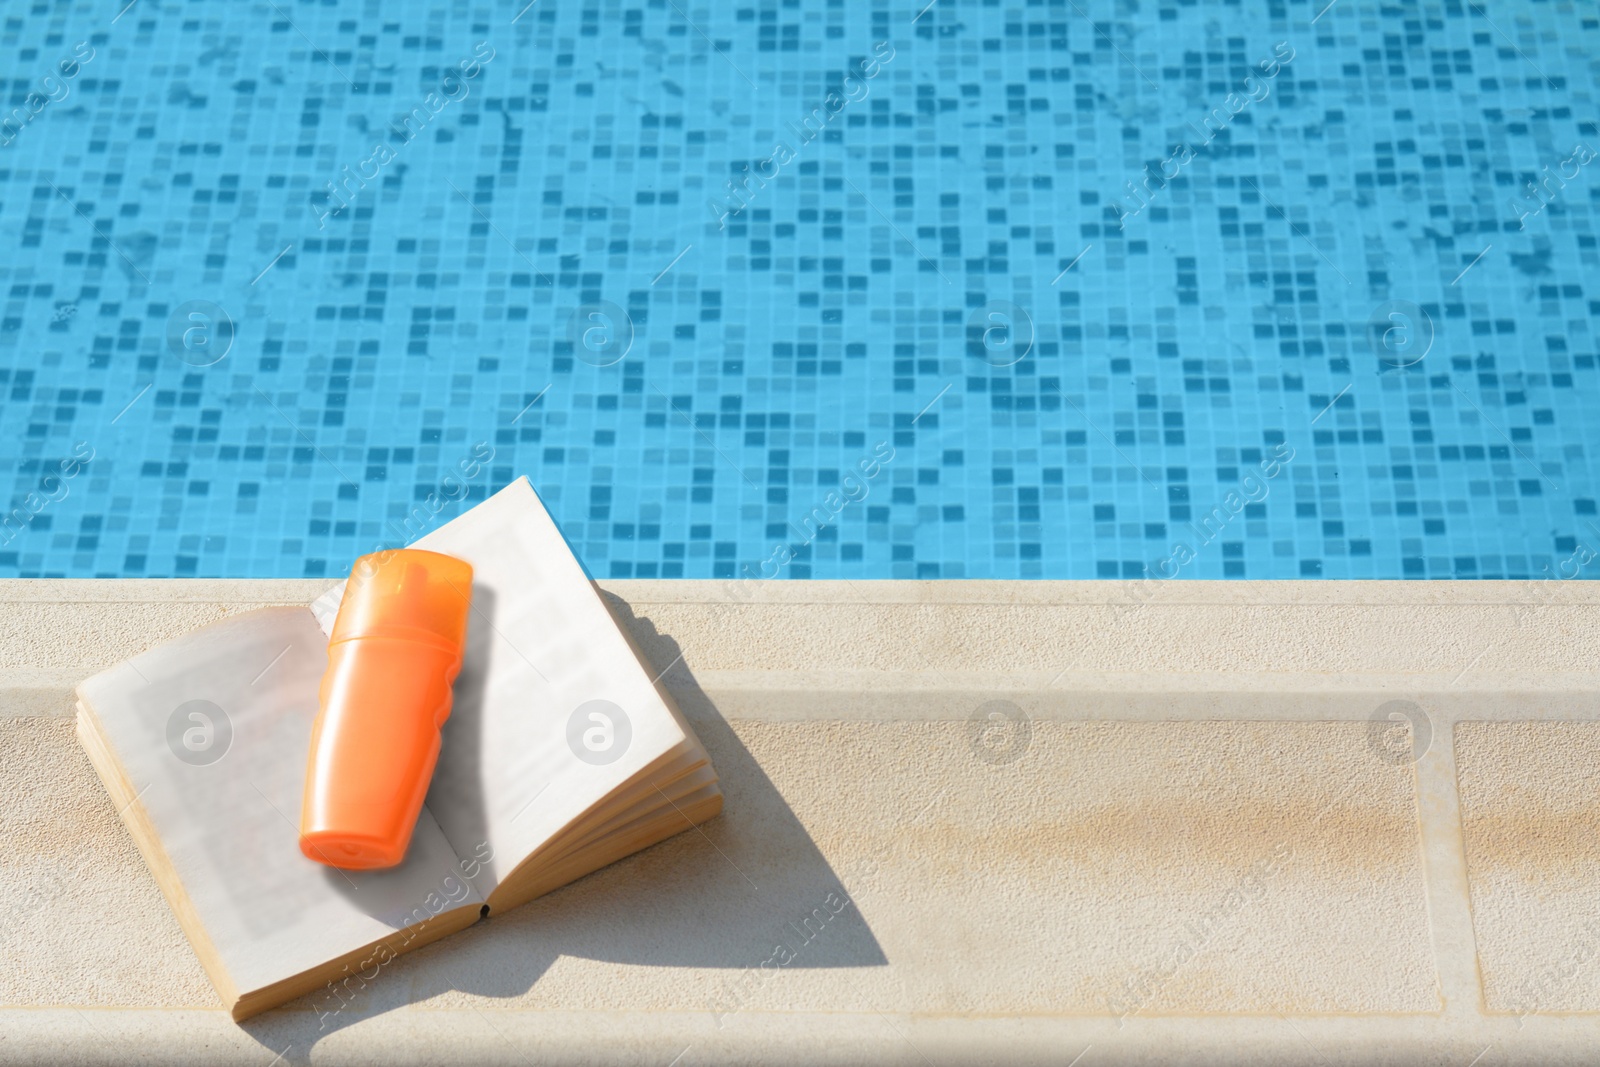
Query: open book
point(560, 756)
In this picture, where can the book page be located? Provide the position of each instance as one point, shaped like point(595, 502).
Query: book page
point(212, 732)
point(552, 709)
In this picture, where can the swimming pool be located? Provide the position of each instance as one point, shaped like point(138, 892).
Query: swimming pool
point(805, 289)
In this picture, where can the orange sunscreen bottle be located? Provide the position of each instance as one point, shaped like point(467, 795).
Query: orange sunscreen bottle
point(397, 645)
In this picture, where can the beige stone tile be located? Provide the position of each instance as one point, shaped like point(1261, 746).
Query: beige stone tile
point(1530, 812)
point(1113, 868)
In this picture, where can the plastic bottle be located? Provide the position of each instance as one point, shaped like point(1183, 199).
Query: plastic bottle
point(396, 647)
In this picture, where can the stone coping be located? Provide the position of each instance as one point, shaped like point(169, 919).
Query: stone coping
point(1053, 822)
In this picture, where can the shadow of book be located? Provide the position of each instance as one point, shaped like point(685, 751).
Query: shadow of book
point(748, 894)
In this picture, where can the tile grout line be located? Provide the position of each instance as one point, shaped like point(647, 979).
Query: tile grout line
point(1445, 873)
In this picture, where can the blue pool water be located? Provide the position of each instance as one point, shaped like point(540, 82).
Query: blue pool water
point(1078, 289)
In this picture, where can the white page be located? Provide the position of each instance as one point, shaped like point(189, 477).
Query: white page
point(230, 826)
point(540, 644)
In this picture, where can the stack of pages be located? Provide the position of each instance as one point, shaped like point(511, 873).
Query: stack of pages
point(561, 755)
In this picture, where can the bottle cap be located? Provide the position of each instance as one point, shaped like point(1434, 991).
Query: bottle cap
point(406, 593)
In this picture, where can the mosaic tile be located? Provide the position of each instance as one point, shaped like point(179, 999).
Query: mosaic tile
point(962, 289)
